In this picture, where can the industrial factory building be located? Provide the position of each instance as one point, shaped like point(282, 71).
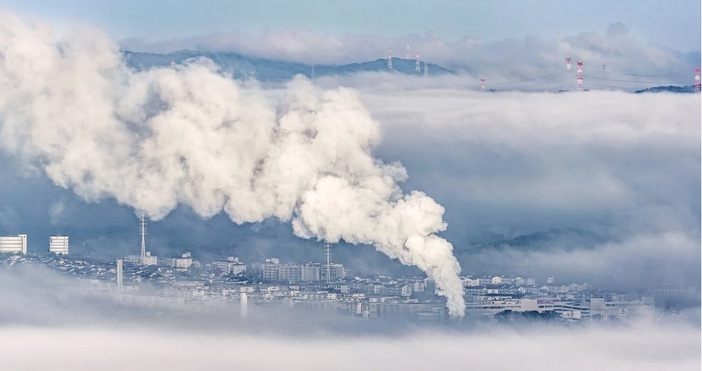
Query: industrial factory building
point(13, 244)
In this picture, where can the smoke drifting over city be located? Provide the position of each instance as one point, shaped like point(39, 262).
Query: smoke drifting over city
point(561, 228)
point(188, 135)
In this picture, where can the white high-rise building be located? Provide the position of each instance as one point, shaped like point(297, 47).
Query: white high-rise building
point(58, 245)
point(270, 269)
point(13, 244)
point(336, 272)
point(311, 272)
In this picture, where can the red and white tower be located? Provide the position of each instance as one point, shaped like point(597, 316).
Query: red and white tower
point(569, 63)
point(697, 80)
point(482, 84)
point(579, 81)
point(417, 65)
point(389, 58)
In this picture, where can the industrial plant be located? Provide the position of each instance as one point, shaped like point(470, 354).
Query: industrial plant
point(255, 289)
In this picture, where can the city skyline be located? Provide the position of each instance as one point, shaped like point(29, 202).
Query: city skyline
point(295, 190)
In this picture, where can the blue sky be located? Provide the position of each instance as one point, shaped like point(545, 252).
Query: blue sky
point(672, 23)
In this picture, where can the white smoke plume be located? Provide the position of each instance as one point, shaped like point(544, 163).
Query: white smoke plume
point(189, 135)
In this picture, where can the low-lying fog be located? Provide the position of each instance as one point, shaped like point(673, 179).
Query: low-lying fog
point(45, 326)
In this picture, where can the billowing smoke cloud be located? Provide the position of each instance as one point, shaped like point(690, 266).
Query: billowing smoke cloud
point(188, 135)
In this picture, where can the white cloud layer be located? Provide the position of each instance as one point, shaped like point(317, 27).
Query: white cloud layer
point(48, 326)
point(573, 152)
point(612, 58)
point(642, 348)
point(624, 166)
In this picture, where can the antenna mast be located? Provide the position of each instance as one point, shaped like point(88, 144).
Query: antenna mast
point(142, 232)
point(389, 58)
point(417, 65)
point(697, 80)
point(579, 81)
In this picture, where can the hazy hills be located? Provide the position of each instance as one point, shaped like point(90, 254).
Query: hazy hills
point(242, 66)
point(556, 238)
point(668, 89)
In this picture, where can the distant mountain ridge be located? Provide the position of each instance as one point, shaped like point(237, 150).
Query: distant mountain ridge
point(263, 69)
point(668, 89)
point(557, 238)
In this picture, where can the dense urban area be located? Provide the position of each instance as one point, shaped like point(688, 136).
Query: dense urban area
point(252, 288)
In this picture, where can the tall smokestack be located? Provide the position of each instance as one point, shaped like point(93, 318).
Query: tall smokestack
point(119, 275)
point(304, 156)
point(243, 305)
point(327, 253)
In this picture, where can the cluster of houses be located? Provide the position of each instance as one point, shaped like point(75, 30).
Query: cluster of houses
point(187, 284)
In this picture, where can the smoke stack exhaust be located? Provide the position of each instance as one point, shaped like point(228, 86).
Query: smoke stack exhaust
point(190, 135)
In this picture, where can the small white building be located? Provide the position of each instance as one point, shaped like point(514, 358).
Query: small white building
point(185, 261)
point(418, 286)
point(58, 245)
point(149, 259)
point(471, 282)
point(336, 272)
point(13, 244)
point(132, 259)
point(232, 266)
